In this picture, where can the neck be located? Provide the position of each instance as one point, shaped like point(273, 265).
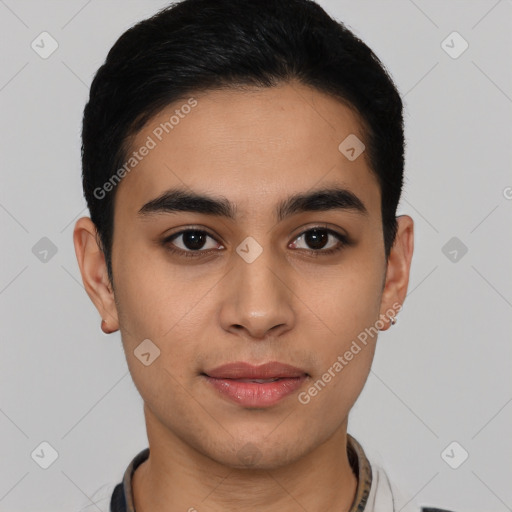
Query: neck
point(176, 477)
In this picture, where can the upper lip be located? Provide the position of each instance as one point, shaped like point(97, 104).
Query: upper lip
point(243, 370)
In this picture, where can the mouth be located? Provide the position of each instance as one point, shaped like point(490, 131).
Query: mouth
point(264, 372)
point(255, 386)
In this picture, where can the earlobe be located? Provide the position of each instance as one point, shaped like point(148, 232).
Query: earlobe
point(398, 270)
point(106, 329)
point(93, 269)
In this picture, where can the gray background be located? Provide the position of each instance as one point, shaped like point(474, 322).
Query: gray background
point(441, 374)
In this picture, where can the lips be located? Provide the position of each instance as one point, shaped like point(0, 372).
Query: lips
point(268, 371)
point(255, 386)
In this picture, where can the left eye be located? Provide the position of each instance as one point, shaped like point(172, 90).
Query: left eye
point(317, 238)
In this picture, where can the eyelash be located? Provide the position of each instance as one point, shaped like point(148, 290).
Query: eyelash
point(343, 241)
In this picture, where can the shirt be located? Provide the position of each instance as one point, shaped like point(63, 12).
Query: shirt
point(374, 491)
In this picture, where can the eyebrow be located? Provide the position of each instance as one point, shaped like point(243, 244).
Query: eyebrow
point(327, 198)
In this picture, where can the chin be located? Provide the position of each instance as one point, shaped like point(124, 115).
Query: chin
point(259, 454)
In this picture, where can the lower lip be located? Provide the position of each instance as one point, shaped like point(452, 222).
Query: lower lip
point(255, 394)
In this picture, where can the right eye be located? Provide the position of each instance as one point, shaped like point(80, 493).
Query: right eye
point(191, 243)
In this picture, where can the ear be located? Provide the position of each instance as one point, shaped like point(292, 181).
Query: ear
point(398, 268)
point(93, 268)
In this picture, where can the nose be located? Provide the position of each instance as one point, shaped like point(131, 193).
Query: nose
point(258, 301)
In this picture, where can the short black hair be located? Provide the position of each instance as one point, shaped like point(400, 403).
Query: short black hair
point(198, 45)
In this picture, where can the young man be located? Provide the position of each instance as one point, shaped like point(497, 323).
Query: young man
point(242, 164)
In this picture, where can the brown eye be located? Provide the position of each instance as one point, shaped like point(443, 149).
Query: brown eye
point(321, 240)
point(316, 238)
point(193, 240)
point(191, 243)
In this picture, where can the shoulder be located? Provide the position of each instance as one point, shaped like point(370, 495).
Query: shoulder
point(430, 509)
point(100, 500)
point(385, 496)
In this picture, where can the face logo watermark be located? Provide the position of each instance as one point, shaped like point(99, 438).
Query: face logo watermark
point(454, 455)
point(249, 454)
point(44, 45)
point(351, 147)
point(44, 455)
point(454, 45)
point(147, 352)
point(44, 250)
point(249, 249)
point(454, 249)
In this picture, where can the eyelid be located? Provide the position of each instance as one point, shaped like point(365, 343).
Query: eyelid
point(335, 230)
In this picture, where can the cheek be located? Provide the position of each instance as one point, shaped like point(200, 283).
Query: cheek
point(348, 311)
point(345, 357)
point(332, 394)
point(162, 366)
point(154, 296)
point(162, 304)
point(165, 393)
point(348, 300)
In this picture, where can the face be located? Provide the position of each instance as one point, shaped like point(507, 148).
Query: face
point(251, 271)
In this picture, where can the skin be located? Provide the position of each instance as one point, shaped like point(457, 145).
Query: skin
point(254, 147)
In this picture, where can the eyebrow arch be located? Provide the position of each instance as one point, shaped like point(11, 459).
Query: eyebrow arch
point(327, 198)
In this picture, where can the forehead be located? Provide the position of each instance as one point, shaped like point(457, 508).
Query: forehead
point(251, 145)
